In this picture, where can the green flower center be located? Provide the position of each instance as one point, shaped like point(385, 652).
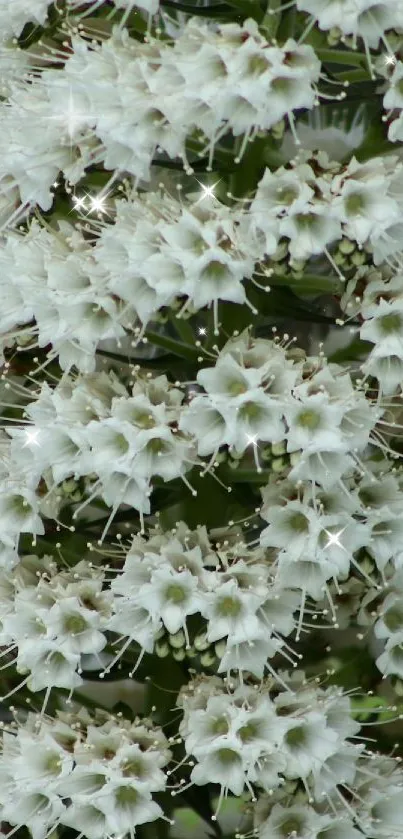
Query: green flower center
point(220, 726)
point(257, 65)
point(229, 607)
point(286, 195)
point(390, 323)
point(134, 768)
point(393, 618)
point(309, 419)
point(175, 593)
point(235, 388)
point(248, 732)
point(157, 446)
point(299, 523)
point(126, 796)
point(56, 660)
point(282, 85)
point(215, 271)
point(291, 825)
point(306, 221)
point(354, 204)
point(53, 764)
point(19, 506)
point(228, 756)
point(397, 653)
point(143, 420)
point(250, 411)
point(121, 443)
point(295, 737)
point(368, 497)
point(75, 624)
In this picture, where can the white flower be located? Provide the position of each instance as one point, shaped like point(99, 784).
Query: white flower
point(366, 18)
point(207, 423)
point(171, 596)
point(299, 821)
point(39, 811)
point(15, 14)
point(231, 611)
point(313, 424)
point(223, 764)
point(18, 512)
point(310, 231)
point(50, 664)
point(363, 207)
point(250, 655)
point(86, 818)
point(307, 744)
point(48, 763)
point(76, 626)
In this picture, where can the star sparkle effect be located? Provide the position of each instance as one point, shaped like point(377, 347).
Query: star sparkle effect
point(31, 438)
point(334, 539)
point(207, 191)
point(91, 203)
point(390, 60)
point(251, 440)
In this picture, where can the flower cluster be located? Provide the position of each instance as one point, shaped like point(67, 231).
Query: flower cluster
point(288, 449)
point(257, 391)
point(154, 107)
point(366, 19)
point(313, 202)
point(100, 430)
point(393, 101)
point(246, 735)
point(14, 14)
point(52, 277)
point(54, 619)
point(159, 249)
point(375, 297)
point(95, 774)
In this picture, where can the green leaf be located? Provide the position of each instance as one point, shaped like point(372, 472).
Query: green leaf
point(342, 56)
point(247, 8)
point(214, 10)
point(357, 349)
point(176, 347)
point(353, 76)
point(363, 708)
point(309, 283)
point(183, 328)
point(284, 302)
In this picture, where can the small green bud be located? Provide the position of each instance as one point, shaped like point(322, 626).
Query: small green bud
point(347, 246)
point(179, 655)
point(162, 649)
point(358, 258)
point(178, 640)
point(220, 648)
point(69, 486)
point(279, 448)
point(280, 253)
point(297, 264)
point(266, 454)
point(201, 643)
point(207, 659)
point(339, 258)
point(398, 686)
point(278, 464)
